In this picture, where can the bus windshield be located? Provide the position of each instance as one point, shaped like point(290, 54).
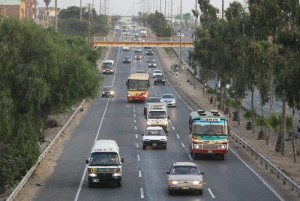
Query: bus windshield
point(104, 159)
point(138, 85)
point(209, 129)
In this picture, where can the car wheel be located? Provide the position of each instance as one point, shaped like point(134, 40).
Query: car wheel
point(200, 191)
point(165, 146)
point(222, 157)
point(170, 192)
point(154, 83)
point(164, 84)
point(144, 147)
point(119, 184)
point(193, 155)
point(145, 111)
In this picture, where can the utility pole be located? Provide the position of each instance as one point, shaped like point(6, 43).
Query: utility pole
point(179, 62)
point(80, 10)
point(160, 6)
point(56, 15)
point(89, 28)
point(100, 8)
point(222, 9)
point(165, 8)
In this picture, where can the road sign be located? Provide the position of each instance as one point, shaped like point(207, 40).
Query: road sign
point(186, 16)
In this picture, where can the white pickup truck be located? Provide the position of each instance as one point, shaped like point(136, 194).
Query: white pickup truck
point(154, 136)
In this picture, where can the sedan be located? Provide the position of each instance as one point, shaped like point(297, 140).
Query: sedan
point(151, 64)
point(149, 52)
point(138, 57)
point(107, 92)
point(126, 59)
point(185, 176)
point(170, 99)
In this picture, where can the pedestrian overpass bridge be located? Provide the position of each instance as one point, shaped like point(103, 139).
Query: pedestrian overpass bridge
point(141, 42)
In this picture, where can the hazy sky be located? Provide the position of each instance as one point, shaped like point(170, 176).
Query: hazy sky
point(132, 7)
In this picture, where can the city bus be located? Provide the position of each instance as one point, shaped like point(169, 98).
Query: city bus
point(208, 133)
point(138, 85)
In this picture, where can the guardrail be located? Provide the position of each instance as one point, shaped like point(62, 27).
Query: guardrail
point(258, 156)
point(42, 156)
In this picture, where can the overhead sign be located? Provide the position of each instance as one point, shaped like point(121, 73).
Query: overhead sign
point(187, 16)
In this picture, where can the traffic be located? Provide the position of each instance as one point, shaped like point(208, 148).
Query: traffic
point(147, 127)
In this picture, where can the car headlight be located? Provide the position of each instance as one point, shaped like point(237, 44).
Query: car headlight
point(197, 146)
point(163, 140)
point(112, 92)
point(93, 175)
point(148, 123)
point(116, 174)
point(196, 182)
point(166, 123)
point(174, 182)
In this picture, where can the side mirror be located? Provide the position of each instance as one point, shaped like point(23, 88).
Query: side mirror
point(168, 117)
point(87, 161)
point(202, 173)
point(142, 134)
point(168, 172)
point(122, 160)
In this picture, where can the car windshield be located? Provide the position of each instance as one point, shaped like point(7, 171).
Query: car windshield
point(179, 170)
point(107, 65)
point(155, 132)
point(136, 85)
point(157, 114)
point(151, 100)
point(167, 96)
point(157, 71)
point(200, 129)
point(104, 159)
point(107, 88)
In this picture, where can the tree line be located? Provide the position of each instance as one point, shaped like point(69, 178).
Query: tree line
point(252, 49)
point(42, 73)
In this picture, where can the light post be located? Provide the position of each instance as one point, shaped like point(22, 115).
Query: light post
point(180, 31)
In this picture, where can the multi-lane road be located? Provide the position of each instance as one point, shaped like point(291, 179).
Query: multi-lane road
point(144, 171)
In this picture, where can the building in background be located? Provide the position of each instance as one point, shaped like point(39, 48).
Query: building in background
point(21, 9)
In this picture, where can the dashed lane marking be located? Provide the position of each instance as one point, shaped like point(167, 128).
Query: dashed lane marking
point(177, 136)
point(211, 193)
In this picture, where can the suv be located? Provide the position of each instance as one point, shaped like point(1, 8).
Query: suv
point(108, 67)
point(159, 79)
point(107, 92)
point(154, 136)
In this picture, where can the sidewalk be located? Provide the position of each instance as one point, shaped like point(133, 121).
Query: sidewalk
point(184, 81)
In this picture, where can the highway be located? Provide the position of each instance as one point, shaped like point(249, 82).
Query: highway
point(144, 171)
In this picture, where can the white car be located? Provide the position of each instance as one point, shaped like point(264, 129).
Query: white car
point(185, 176)
point(125, 48)
point(157, 72)
point(170, 99)
point(154, 136)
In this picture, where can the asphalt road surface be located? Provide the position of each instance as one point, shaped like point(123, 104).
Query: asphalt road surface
point(144, 171)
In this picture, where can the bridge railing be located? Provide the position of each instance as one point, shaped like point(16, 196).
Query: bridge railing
point(141, 39)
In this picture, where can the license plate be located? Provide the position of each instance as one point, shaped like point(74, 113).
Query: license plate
point(95, 180)
point(209, 151)
point(185, 188)
point(154, 144)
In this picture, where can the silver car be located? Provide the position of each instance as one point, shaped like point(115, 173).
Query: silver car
point(170, 99)
point(185, 176)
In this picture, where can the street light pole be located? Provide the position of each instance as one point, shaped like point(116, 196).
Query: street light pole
point(180, 31)
point(56, 15)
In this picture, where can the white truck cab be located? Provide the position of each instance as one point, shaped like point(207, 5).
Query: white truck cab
point(105, 163)
point(157, 115)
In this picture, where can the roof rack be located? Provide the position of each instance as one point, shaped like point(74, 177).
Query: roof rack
point(201, 112)
point(215, 112)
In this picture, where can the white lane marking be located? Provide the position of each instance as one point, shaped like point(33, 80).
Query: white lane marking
point(137, 145)
point(189, 155)
point(182, 144)
point(134, 121)
point(133, 110)
point(136, 136)
point(142, 192)
point(173, 127)
point(258, 176)
point(211, 193)
point(177, 136)
point(140, 173)
point(138, 157)
point(133, 106)
point(135, 128)
point(134, 115)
